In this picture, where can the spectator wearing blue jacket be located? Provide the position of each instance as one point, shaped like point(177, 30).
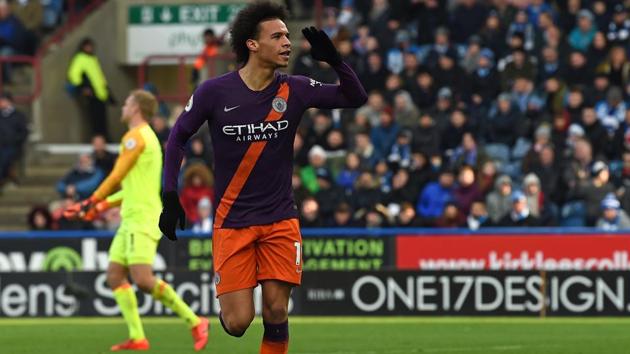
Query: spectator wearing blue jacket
point(435, 195)
point(85, 176)
point(384, 135)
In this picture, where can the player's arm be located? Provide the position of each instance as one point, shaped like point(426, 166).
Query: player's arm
point(196, 112)
point(88, 209)
point(133, 145)
point(349, 93)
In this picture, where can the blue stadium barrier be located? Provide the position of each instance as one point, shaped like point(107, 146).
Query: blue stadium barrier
point(348, 232)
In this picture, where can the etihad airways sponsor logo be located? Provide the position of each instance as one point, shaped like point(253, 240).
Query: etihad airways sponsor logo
point(256, 131)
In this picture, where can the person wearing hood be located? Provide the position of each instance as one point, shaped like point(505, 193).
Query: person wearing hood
point(499, 201)
point(613, 107)
point(612, 217)
point(538, 203)
point(519, 215)
point(405, 110)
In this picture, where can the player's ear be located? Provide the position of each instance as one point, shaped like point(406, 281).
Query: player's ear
point(252, 45)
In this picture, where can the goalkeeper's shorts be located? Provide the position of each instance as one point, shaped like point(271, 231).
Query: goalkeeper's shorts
point(133, 246)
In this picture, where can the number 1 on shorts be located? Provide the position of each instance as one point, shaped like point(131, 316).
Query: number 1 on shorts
point(298, 251)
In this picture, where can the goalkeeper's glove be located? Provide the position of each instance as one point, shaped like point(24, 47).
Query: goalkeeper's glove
point(322, 48)
point(80, 209)
point(172, 213)
point(96, 209)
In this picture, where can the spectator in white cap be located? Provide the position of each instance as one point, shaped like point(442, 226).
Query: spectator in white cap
point(317, 160)
point(612, 217)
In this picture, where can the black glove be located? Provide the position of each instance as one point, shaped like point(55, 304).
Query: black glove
point(172, 211)
point(322, 48)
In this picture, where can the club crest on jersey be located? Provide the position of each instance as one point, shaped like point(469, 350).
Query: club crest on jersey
point(217, 278)
point(279, 104)
point(130, 143)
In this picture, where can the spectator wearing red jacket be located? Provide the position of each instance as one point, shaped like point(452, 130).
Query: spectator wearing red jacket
point(198, 183)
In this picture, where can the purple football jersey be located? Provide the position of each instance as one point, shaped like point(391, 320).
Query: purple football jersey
point(252, 135)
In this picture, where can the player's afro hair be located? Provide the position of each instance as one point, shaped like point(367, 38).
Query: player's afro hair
point(245, 25)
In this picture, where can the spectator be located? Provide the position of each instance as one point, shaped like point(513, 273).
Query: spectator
point(14, 38)
point(161, 129)
point(478, 217)
point(384, 135)
point(612, 217)
point(467, 18)
point(499, 201)
point(501, 129)
point(485, 79)
point(520, 214)
point(317, 162)
point(547, 169)
point(525, 27)
point(349, 174)
point(39, 219)
point(579, 71)
point(426, 137)
point(366, 192)
point(342, 217)
point(309, 213)
point(581, 36)
point(468, 154)
point(198, 151)
point(594, 131)
point(300, 193)
point(365, 149)
point(212, 45)
point(13, 134)
point(203, 225)
point(407, 216)
point(613, 108)
point(198, 184)
point(405, 111)
point(69, 197)
point(619, 28)
point(593, 191)
point(400, 154)
point(85, 177)
point(88, 84)
point(451, 217)
point(617, 67)
point(441, 46)
point(466, 191)
point(435, 195)
point(537, 201)
point(103, 159)
point(328, 195)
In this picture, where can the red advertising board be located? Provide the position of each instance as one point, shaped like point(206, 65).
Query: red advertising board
point(519, 252)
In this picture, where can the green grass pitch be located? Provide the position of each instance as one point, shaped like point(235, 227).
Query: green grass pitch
point(338, 335)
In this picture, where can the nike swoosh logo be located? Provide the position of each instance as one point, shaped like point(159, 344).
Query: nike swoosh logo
point(226, 109)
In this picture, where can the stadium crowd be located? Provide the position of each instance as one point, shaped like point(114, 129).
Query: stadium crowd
point(480, 113)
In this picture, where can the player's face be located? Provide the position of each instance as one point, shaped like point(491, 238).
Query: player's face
point(129, 109)
point(274, 46)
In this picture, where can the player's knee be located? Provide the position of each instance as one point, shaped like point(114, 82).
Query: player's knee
point(144, 284)
point(237, 323)
point(114, 280)
point(275, 312)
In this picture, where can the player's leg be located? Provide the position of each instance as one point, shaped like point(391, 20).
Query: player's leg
point(275, 311)
point(235, 277)
point(237, 311)
point(279, 257)
point(117, 273)
point(141, 256)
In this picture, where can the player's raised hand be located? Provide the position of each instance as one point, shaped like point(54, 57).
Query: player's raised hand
point(322, 48)
point(172, 213)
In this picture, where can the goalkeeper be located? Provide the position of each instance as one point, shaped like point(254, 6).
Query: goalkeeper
point(137, 173)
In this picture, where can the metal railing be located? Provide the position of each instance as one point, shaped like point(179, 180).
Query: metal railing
point(35, 63)
point(182, 92)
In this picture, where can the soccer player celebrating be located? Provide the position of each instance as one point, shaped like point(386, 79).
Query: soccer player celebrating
point(137, 172)
point(253, 115)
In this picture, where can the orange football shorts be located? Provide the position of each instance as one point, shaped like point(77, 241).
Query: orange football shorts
point(244, 257)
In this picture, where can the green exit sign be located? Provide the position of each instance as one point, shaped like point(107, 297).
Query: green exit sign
point(182, 14)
